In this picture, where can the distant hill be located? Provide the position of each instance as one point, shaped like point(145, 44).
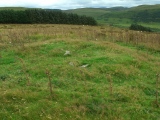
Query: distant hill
point(122, 16)
point(117, 16)
point(24, 8)
point(117, 8)
point(16, 8)
point(93, 12)
point(142, 13)
point(146, 7)
point(13, 8)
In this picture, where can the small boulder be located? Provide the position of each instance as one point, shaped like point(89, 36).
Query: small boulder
point(71, 63)
point(84, 66)
point(67, 53)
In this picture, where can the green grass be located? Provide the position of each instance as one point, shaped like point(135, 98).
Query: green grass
point(127, 23)
point(78, 93)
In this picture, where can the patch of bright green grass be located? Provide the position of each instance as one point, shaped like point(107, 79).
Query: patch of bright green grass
point(85, 93)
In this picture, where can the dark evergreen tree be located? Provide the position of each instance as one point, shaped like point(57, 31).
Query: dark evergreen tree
point(33, 16)
point(139, 28)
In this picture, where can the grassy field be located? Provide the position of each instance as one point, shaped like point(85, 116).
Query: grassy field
point(127, 23)
point(67, 72)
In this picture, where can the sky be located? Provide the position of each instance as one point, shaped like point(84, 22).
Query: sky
point(73, 4)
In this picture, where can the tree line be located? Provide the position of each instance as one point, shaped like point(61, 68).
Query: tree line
point(40, 16)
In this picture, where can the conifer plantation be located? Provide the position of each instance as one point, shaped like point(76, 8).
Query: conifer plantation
point(33, 16)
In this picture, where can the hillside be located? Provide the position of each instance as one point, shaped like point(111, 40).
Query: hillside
point(71, 72)
point(93, 12)
point(136, 14)
point(113, 12)
point(24, 8)
point(16, 8)
point(146, 7)
point(146, 15)
point(123, 17)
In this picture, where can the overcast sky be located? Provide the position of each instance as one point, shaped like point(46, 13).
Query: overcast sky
point(72, 4)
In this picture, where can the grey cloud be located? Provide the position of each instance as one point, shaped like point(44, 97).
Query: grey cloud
point(72, 4)
point(111, 3)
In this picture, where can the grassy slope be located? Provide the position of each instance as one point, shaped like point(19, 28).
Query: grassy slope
point(93, 12)
point(117, 16)
point(119, 82)
point(146, 7)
